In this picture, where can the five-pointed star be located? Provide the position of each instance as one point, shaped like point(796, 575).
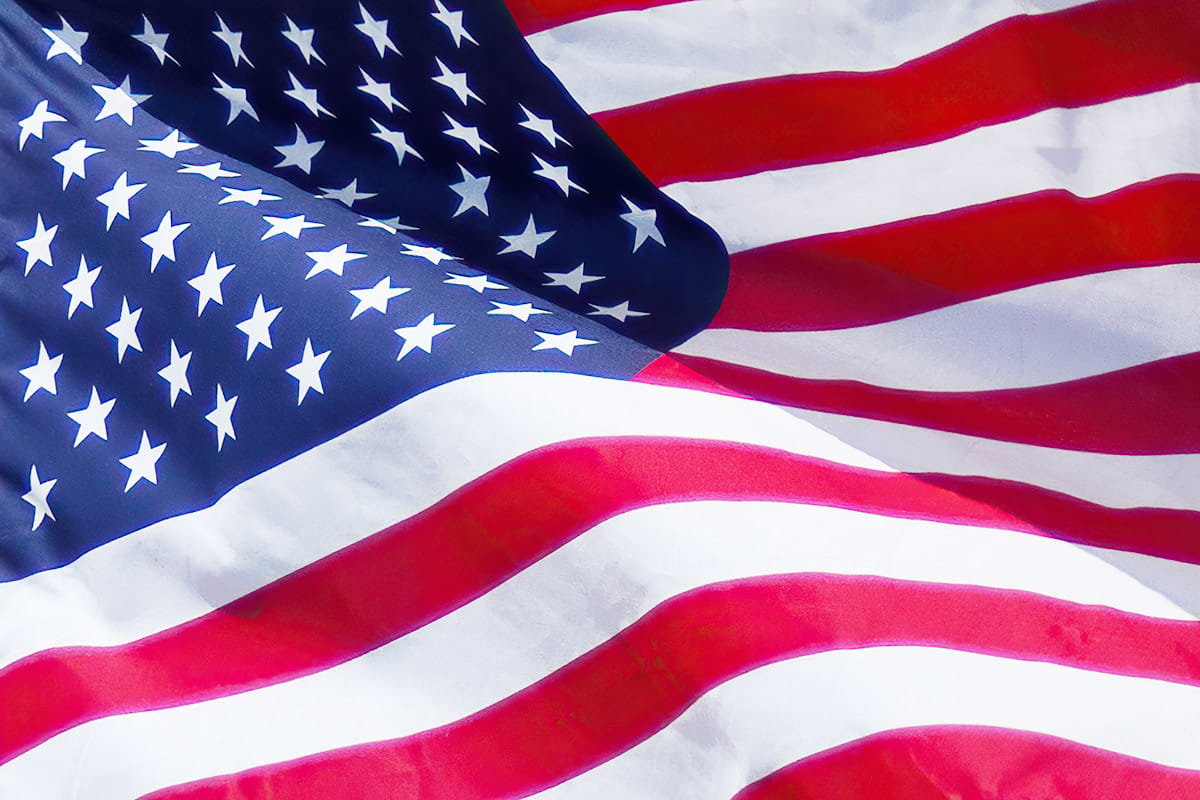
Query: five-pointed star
point(116, 199)
point(169, 146)
point(522, 311)
point(455, 82)
point(251, 197)
point(468, 134)
point(258, 327)
point(542, 127)
point(213, 171)
point(476, 282)
point(396, 140)
point(620, 312)
point(119, 101)
point(38, 497)
point(208, 283)
point(433, 255)
point(35, 123)
point(472, 192)
point(376, 31)
point(563, 342)
point(221, 417)
point(300, 153)
point(527, 241)
point(348, 195)
point(644, 222)
point(233, 41)
point(143, 465)
point(175, 373)
point(42, 376)
point(72, 160)
point(124, 330)
point(37, 247)
point(79, 288)
point(556, 175)
point(307, 97)
point(453, 22)
point(288, 226)
point(239, 102)
point(380, 91)
point(377, 297)
point(389, 226)
point(157, 42)
point(334, 260)
point(308, 371)
point(161, 241)
point(420, 336)
point(303, 39)
point(92, 419)
point(573, 280)
point(66, 41)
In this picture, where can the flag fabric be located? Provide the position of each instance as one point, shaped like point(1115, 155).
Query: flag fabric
point(577, 398)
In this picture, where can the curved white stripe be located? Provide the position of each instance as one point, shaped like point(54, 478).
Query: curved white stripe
point(542, 619)
point(629, 57)
point(1048, 333)
point(1088, 151)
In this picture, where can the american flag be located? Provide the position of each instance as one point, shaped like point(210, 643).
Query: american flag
point(599, 398)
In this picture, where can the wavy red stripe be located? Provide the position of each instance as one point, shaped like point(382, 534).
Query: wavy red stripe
point(532, 16)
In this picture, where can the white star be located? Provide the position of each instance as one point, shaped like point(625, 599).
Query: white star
point(522, 311)
point(527, 241)
point(300, 153)
point(169, 146)
point(453, 22)
point(563, 342)
point(251, 197)
point(124, 330)
point(308, 371)
point(66, 41)
point(232, 40)
point(334, 260)
point(542, 127)
point(213, 171)
point(620, 312)
point(208, 284)
point(37, 247)
point(380, 91)
point(467, 134)
point(156, 41)
point(119, 101)
point(258, 327)
point(175, 373)
point(376, 31)
point(556, 175)
point(34, 124)
point(116, 199)
point(396, 140)
point(72, 160)
point(80, 287)
point(420, 336)
point(433, 255)
point(476, 282)
point(377, 297)
point(38, 497)
point(348, 195)
point(42, 376)
point(455, 82)
point(143, 465)
point(644, 222)
point(573, 280)
point(472, 192)
point(389, 226)
point(239, 102)
point(288, 226)
point(161, 241)
point(92, 419)
point(308, 97)
point(221, 417)
point(303, 39)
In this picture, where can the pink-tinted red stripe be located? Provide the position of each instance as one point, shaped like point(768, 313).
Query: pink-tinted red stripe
point(636, 683)
point(532, 16)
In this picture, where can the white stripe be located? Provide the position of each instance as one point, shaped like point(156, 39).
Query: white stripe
point(544, 618)
point(1043, 334)
point(629, 57)
point(1088, 151)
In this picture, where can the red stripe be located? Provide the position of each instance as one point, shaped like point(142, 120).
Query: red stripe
point(972, 763)
point(1012, 69)
point(532, 16)
point(890, 271)
point(1150, 409)
point(636, 683)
